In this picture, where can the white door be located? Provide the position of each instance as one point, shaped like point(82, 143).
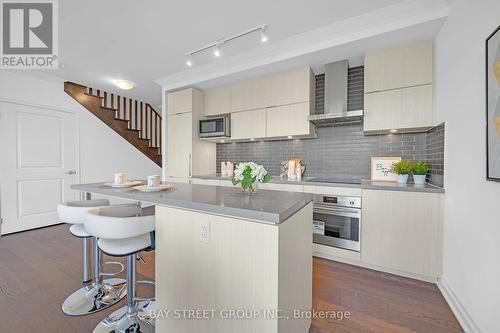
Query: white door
point(38, 150)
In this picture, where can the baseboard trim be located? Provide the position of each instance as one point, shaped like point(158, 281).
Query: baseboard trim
point(463, 317)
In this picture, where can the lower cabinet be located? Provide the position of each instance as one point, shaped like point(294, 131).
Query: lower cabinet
point(281, 187)
point(199, 181)
point(402, 231)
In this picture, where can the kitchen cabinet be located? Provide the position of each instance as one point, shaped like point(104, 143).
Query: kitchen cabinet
point(291, 119)
point(218, 101)
point(180, 101)
point(241, 96)
point(407, 108)
point(329, 190)
point(248, 124)
point(288, 97)
point(186, 154)
point(179, 158)
point(399, 89)
point(399, 67)
point(199, 181)
point(282, 187)
point(402, 231)
point(288, 87)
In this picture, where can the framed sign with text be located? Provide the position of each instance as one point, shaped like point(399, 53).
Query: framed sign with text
point(380, 169)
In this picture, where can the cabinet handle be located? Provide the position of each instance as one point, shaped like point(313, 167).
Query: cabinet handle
point(189, 165)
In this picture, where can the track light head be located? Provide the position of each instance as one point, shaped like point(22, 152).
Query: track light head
point(217, 50)
point(263, 35)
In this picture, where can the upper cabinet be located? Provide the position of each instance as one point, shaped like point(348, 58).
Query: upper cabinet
point(248, 124)
point(218, 101)
point(180, 101)
point(400, 67)
point(291, 119)
point(407, 109)
point(289, 87)
point(280, 103)
point(399, 89)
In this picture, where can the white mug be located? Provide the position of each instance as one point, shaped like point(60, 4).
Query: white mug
point(119, 178)
point(153, 181)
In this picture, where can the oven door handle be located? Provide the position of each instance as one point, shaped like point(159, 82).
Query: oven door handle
point(337, 211)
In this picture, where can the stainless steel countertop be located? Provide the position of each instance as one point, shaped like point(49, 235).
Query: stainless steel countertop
point(272, 207)
point(365, 184)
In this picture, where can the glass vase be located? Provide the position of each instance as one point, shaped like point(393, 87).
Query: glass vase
point(252, 189)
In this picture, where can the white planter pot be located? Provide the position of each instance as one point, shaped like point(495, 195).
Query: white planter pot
point(419, 179)
point(402, 179)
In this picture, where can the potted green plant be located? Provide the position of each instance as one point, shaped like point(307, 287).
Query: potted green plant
point(249, 174)
point(402, 169)
point(419, 172)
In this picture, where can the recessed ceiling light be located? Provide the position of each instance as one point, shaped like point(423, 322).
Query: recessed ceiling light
point(393, 130)
point(222, 141)
point(290, 136)
point(189, 63)
point(124, 84)
point(252, 139)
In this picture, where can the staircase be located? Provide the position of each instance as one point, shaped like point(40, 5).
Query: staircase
point(135, 121)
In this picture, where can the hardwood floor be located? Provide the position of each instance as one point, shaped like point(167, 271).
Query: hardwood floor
point(40, 268)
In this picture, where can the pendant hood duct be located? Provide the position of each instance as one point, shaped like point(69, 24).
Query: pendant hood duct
point(336, 97)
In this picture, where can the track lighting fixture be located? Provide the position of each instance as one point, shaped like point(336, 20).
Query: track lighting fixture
point(216, 46)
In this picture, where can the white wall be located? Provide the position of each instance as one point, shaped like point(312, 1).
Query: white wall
point(472, 219)
point(102, 151)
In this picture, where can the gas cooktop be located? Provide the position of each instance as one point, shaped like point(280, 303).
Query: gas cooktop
point(354, 181)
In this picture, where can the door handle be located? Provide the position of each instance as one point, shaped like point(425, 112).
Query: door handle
point(190, 165)
point(72, 172)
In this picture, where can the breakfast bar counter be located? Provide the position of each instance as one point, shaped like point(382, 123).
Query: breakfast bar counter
point(228, 261)
point(264, 206)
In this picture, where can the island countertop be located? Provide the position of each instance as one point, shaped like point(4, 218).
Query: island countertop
point(272, 207)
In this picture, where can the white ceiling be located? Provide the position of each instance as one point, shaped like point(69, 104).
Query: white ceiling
point(141, 41)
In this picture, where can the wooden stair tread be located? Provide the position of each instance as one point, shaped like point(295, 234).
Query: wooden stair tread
point(120, 126)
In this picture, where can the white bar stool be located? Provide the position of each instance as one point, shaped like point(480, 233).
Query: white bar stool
point(125, 232)
point(96, 296)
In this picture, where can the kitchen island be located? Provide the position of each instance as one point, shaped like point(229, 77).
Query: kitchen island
point(227, 261)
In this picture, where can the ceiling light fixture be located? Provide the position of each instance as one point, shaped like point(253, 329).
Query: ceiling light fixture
point(252, 139)
point(124, 84)
point(394, 130)
point(217, 45)
point(290, 136)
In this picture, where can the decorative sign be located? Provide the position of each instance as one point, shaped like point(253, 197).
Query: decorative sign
point(381, 167)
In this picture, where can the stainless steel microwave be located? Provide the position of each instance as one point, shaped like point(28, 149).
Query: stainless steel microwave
point(215, 127)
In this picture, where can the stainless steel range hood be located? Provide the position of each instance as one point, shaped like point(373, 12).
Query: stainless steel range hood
point(336, 97)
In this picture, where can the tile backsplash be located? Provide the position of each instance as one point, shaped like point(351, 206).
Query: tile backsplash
point(342, 151)
point(434, 154)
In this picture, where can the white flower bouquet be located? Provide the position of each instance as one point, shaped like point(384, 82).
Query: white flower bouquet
point(248, 174)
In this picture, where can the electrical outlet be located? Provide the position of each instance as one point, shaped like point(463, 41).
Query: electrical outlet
point(205, 231)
